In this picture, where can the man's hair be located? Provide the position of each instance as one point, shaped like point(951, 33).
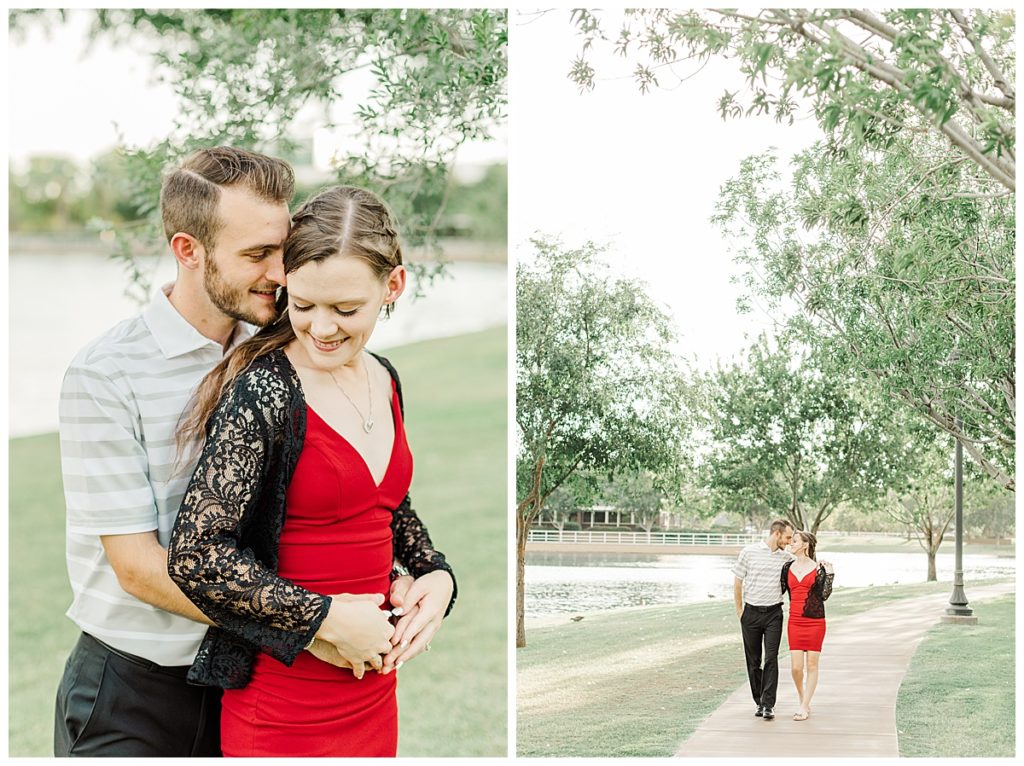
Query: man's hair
point(191, 192)
point(780, 525)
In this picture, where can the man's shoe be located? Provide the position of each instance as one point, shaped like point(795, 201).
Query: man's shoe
point(760, 711)
point(767, 714)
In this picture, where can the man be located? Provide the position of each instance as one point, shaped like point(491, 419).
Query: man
point(757, 590)
point(124, 689)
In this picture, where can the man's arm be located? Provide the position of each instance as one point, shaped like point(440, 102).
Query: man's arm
point(739, 572)
point(105, 471)
point(140, 563)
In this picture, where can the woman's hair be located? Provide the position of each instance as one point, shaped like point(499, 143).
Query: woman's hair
point(341, 220)
point(811, 540)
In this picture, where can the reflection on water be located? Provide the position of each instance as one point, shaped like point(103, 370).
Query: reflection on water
point(58, 303)
point(559, 583)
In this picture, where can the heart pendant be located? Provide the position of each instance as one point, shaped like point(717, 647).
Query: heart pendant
point(368, 426)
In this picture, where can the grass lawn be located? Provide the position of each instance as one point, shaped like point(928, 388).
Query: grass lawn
point(896, 545)
point(452, 701)
point(638, 682)
point(946, 707)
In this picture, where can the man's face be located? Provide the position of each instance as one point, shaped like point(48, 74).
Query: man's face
point(243, 270)
point(786, 537)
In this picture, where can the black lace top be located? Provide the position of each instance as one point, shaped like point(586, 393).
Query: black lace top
point(223, 551)
point(814, 606)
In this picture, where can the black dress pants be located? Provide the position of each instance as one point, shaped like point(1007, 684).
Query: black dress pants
point(762, 625)
point(115, 704)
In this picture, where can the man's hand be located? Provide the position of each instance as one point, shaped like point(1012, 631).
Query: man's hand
point(326, 652)
point(359, 629)
point(423, 607)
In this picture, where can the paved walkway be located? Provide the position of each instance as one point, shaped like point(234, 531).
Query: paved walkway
point(853, 712)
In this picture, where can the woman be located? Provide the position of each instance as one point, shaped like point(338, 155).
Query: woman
point(806, 629)
point(299, 500)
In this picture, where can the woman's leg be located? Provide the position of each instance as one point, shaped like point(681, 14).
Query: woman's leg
point(812, 678)
point(797, 669)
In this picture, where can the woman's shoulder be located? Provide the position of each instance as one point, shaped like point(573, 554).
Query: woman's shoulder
point(269, 381)
point(387, 365)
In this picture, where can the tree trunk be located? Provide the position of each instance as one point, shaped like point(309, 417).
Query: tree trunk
point(932, 576)
point(522, 531)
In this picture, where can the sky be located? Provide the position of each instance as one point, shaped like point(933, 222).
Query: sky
point(638, 172)
point(73, 99)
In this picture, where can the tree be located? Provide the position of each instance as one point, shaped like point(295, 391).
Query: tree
point(788, 434)
point(914, 292)
point(561, 506)
point(896, 242)
point(992, 511)
point(44, 194)
point(596, 385)
point(924, 502)
point(242, 76)
point(637, 493)
point(864, 76)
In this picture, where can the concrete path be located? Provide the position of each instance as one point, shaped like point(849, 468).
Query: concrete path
point(853, 712)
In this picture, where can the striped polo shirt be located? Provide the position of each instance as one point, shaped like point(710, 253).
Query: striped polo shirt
point(120, 404)
point(761, 571)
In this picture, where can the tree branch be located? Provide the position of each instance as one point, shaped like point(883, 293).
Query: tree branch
point(997, 76)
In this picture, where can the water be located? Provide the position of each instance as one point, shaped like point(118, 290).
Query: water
point(58, 303)
point(570, 583)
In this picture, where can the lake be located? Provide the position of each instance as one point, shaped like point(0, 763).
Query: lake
point(58, 303)
point(572, 583)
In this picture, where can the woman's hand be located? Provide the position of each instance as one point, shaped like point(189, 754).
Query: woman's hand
point(423, 607)
point(399, 592)
point(358, 629)
point(828, 567)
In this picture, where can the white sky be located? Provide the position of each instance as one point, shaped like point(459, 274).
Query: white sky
point(641, 172)
point(65, 99)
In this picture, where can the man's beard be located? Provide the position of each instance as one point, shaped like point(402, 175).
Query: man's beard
point(231, 301)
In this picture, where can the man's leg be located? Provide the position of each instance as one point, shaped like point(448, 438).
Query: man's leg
point(111, 705)
point(750, 624)
point(772, 639)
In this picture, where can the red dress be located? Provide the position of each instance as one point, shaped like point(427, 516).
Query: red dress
point(805, 633)
point(336, 539)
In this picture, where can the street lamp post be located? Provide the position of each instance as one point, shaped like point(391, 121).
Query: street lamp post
point(958, 610)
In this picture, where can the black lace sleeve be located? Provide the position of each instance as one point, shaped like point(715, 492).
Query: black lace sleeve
point(205, 558)
point(414, 549)
point(785, 579)
point(826, 588)
point(412, 545)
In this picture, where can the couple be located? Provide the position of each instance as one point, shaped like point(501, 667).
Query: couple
point(764, 572)
point(238, 516)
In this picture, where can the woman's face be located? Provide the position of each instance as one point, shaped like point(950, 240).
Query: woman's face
point(798, 545)
point(333, 306)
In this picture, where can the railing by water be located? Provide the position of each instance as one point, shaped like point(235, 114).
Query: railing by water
point(597, 537)
point(589, 537)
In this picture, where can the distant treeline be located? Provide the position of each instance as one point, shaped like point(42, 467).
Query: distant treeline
point(56, 196)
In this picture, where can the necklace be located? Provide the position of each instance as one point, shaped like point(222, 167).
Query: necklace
point(368, 419)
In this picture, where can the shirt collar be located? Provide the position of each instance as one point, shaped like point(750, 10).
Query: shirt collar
point(173, 333)
point(765, 545)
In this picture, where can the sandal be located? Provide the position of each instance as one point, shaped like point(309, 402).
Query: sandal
point(801, 716)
